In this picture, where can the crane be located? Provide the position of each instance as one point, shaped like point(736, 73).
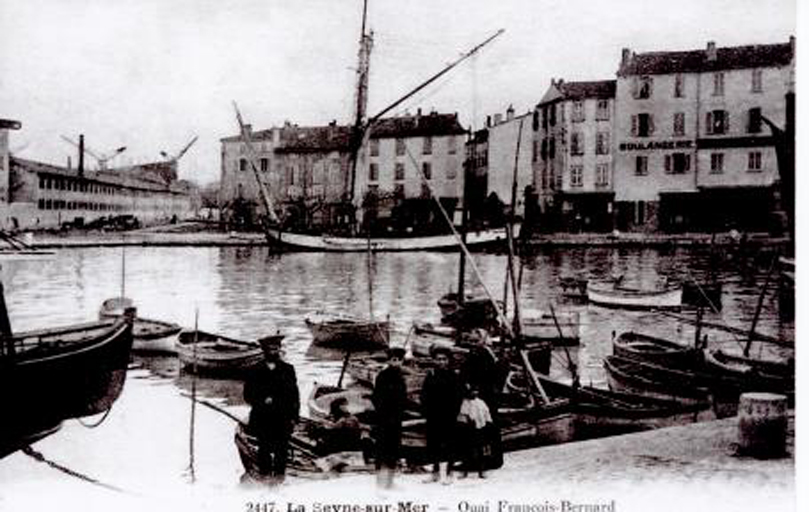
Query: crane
point(175, 158)
point(102, 158)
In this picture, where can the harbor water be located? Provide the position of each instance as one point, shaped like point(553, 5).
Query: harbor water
point(148, 443)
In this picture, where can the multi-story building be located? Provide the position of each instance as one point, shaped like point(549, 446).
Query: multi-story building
point(310, 168)
point(305, 170)
point(39, 195)
point(691, 149)
point(573, 155)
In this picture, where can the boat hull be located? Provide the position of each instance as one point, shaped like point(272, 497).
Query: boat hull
point(655, 350)
point(63, 373)
point(216, 355)
point(608, 295)
point(349, 334)
point(327, 243)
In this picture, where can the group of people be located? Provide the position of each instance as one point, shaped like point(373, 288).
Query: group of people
point(459, 408)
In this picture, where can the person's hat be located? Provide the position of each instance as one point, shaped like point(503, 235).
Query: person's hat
point(270, 342)
point(396, 352)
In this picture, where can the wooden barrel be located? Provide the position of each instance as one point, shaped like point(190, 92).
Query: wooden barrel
point(762, 425)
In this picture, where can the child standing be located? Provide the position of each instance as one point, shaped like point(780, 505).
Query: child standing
point(474, 418)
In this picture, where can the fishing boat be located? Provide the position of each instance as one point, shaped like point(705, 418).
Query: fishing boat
point(601, 412)
point(642, 378)
point(217, 355)
point(358, 400)
point(614, 294)
point(759, 374)
point(330, 243)
point(349, 333)
point(560, 328)
point(149, 336)
point(633, 345)
point(60, 373)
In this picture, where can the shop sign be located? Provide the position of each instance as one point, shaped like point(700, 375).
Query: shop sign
point(656, 144)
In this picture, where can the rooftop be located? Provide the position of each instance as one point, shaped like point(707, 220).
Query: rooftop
point(707, 60)
point(561, 90)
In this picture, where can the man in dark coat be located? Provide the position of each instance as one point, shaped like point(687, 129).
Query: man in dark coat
point(272, 392)
point(389, 398)
point(440, 402)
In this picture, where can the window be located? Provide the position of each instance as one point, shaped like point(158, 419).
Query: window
point(603, 143)
point(754, 161)
point(374, 147)
point(640, 212)
point(754, 120)
point(373, 191)
point(534, 150)
point(717, 163)
point(716, 122)
point(373, 172)
point(290, 175)
point(679, 86)
point(427, 170)
point(552, 148)
point(265, 164)
point(400, 147)
point(679, 123)
point(425, 190)
point(641, 165)
point(602, 175)
point(452, 145)
point(578, 111)
point(576, 143)
point(399, 171)
point(576, 175)
point(242, 164)
point(718, 84)
point(755, 85)
point(552, 120)
point(642, 125)
point(678, 163)
point(427, 146)
point(603, 110)
point(399, 190)
point(643, 87)
point(545, 118)
point(543, 150)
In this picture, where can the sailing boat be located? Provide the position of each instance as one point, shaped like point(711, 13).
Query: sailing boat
point(362, 129)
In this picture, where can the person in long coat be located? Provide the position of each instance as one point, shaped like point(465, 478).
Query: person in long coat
point(389, 398)
point(440, 402)
point(272, 392)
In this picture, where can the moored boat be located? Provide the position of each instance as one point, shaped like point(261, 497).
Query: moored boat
point(613, 294)
point(633, 345)
point(349, 333)
point(148, 336)
point(759, 374)
point(217, 355)
point(60, 373)
point(329, 243)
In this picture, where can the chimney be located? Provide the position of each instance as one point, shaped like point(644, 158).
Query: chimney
point(510, 113)
point(488, 121)
point(81, 156)
point(498, 118)
point(626, 56)
point(710, 52)
point(418, 112)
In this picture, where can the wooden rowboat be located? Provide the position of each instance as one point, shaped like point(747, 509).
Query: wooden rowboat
point(613, 294)
point(349, 333)
point(655, 350)
point(149, 336)
point(217, 355)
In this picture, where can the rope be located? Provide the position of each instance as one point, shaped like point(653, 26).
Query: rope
point(99, 422)
point(41, 458)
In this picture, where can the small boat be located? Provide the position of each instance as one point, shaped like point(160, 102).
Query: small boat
point(544, 326)
point(60, 373)
point(358, 400)
point(149, 336)
point(349, 333)
point(328, 243)
point(759, 374)
point(574, 287)
point(650, 349)
point(613, 294)
point(217, 355)
point(475, 311)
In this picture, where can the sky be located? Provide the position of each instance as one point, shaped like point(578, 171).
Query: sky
point(152, 74)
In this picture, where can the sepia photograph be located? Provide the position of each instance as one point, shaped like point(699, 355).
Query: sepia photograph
point(386, 256)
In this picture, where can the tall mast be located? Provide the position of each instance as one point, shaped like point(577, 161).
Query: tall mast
point(361, 106)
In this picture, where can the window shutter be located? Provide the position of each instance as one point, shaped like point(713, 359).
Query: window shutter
point(668, 164)
point(709, 122)
point(651, 124)
point(726, 115)
point(634, 125)
point(687, 163)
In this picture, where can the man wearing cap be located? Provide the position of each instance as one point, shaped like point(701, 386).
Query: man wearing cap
point(389, 398)
point(272, 392)
point(440, 402)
